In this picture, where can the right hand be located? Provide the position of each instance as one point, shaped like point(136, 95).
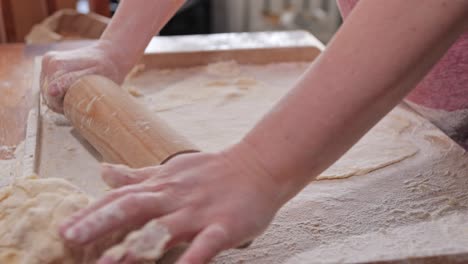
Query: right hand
point(61, 69)
point(216, 201)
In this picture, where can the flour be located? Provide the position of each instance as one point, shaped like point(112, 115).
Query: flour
point(145, 244)
point(385, 214)
point(214, 110)
point(107, 214)
point(7, 152)
point(372, 153)
point(224, 69)
point(10, 168)
point(55, 118)
point(363, 247)
point(197, 103)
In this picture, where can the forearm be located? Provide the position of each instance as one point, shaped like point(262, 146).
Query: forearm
point(133, 26)
point(376, 58)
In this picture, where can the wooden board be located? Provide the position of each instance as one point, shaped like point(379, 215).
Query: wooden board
point(415, 209)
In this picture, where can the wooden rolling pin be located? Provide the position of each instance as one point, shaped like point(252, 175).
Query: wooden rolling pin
point(121, 129)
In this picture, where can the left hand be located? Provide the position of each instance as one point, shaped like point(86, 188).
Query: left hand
point(60, 69)
point(215, 201)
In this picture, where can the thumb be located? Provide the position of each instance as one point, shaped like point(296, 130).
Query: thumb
point(117, 175)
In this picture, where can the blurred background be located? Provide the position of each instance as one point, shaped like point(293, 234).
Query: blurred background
point(42, 21)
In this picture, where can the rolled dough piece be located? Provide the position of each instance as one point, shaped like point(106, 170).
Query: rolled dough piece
point(30, 211)
point(220, 91)
point(224, 69)
point(369, 155)
point(216, 83)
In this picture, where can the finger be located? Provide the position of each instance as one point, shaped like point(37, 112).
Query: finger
point(120, 175)
point(206, 245)
point(108, 198)
point(130, 210)
point(150, 242)
point(56, 88)
point(64, 79)
point(145, 244)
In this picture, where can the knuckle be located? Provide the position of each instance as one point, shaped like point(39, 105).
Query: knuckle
point(112, 195)
point(46, 58)
point(129, 201)
point(53, 63)
point(176, 190)
point(165, 186)
point(218, 232)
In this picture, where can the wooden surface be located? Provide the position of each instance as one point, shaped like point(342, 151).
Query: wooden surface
point(120, 128)
point(21, 16)
point(100, 7)
point(54, 5)
point(17, 17)
point(15, 81)
point(65, 25)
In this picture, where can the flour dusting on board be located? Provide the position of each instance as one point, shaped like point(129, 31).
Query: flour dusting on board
point(214, 106)
point(10, 168)
point(424, 185)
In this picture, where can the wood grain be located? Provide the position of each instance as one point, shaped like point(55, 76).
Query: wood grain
point(25, 14)
point(119, 127)
point(15, 82)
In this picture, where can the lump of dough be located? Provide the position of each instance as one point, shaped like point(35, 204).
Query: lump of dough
point(30, 212)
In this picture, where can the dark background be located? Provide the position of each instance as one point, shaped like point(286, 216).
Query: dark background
point(193, 18)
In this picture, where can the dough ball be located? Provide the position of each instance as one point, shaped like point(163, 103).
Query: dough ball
point(30, 212)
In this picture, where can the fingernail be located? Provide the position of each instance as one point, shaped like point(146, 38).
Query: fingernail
point(70, 234)
point(53, 91)
point(76, 235)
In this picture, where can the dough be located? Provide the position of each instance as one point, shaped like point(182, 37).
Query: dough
point(380, 147)
point(372, 153)
point(224, 69)
point(30, 212)
point(145, 244)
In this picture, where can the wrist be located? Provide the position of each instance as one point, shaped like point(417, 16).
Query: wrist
point(115, 57)
point(282, 185)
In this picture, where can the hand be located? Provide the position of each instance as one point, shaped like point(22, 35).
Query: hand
point(215, 201)
point(62, 69)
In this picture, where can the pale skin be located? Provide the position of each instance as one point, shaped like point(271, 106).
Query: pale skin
point(221, 200)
